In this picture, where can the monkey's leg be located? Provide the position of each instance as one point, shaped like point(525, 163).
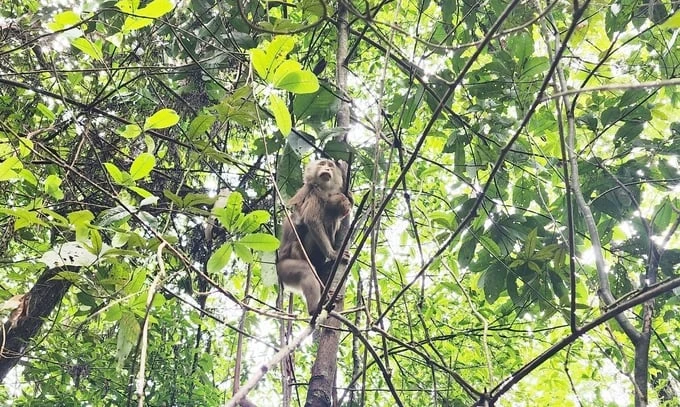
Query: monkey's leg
point(298, 275)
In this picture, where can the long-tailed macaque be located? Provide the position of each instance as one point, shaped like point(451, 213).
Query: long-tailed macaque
point(317, 209)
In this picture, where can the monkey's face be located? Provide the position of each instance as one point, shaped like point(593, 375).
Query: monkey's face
point(325, 174)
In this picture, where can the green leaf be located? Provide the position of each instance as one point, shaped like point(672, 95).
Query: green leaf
point(94, 50)
point(299, 82)
point(243, 253)
point(558, 285)
point(219, 259)
point(263, 242)
point(673, 21)
point(492, 281)
point(8, 167)
point(142, 166)
point(69, 276)
point(253, 220)
point(140, 191)
point(262, 63)
point(316, 107)
point(128, 331)
point(46, 112)
point(23, 217)
point(281, 114)
point(162, 119)
point(52, 187)
point(155, 9)
point(131, 131)
point(176, 199)
point(127, 6)
point(135, 23)
point(83, 217)
point(286, 67)
point(627, 133)
point(200, 125)
point(137, 282)
point(467, 251)
point(530, 243)
point(96, 240)
point(193, 199)
point(281, 46)
point(490, 245)
point(81, 220)
point(63, 20)
point(114, 172)
point(231, 214)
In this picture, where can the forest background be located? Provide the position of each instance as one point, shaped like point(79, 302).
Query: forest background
point(517, 198)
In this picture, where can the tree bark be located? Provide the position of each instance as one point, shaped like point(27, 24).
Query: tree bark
point(29, 317)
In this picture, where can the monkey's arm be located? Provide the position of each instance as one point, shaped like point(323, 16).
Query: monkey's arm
point(312, 215)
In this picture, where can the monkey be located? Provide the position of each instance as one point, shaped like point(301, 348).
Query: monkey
point(317, 209)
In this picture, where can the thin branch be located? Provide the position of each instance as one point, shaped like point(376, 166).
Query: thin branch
point(278, 357)
point(145, 326)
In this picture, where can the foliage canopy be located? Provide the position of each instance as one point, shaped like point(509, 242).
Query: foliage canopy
point(517, 165)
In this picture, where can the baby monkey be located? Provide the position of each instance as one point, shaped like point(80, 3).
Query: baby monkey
point(317, 209)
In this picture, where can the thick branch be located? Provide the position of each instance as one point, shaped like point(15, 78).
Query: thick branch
point(35, 307)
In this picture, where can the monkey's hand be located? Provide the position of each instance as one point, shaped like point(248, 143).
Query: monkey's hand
point(339, 205)
point(344, 259)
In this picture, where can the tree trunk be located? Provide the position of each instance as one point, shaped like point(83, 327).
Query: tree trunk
point(27, 319)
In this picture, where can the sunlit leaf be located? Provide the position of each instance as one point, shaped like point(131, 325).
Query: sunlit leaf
point(281, 114)
point(219, 259)
point(131, 131)
point(155, 9)
point(63, 20)
point(52, 187)
point(260, 242)
point(9, 167)
point(92, 49)
point(142, 166)
point(254, 220)
point(161, 119)
point(673, 21)
point(299, 82)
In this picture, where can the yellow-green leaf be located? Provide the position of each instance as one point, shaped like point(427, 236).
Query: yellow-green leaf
point(299, 82)
point(673, 21)
point(286, 67)
point(92, 49)
point(155, 9)
point(260, 241)
point(63, 20)
point(161, 119)
point(52, 187)
point(281, 46)
point(262, 63)
point(219, 259)
point(130, 131)
point(142, 166)
point(135, 23)
point(114, 172)
point(128, 6)
point(281, 114)
point(8, 167)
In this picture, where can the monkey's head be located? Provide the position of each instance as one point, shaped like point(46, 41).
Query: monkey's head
point(325, 174)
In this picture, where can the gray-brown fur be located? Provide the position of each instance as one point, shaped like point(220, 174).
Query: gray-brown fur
point(316, 211)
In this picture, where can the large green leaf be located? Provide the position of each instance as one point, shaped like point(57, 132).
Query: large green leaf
point(142, 166)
